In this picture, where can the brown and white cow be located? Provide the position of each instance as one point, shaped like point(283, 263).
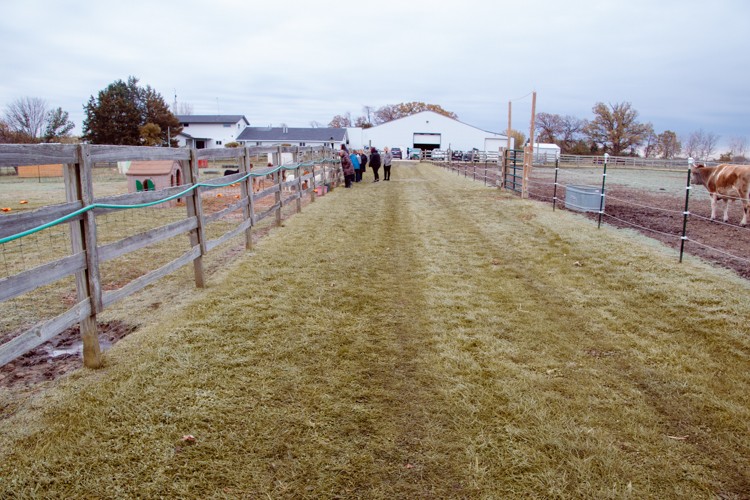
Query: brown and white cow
point(728, 183)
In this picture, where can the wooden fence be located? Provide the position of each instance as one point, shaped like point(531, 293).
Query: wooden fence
point(312, 167)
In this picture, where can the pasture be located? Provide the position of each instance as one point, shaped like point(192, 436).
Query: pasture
point(652, 202)
point(423, 337)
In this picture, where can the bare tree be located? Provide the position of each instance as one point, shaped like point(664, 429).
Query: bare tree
point(571, 131)
point(549, 127)
point(368, 110)
point(315, 124)
point(182, 108)
point(27, 115)
point(58, 125)
point(362, 122)
point(667, 145)
point(693, 143)
point(651, 140)
point(738, 147)
point(616, 127)
point(709, 145)
point(340, 121)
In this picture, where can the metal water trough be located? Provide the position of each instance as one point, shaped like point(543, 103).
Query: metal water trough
point(583, 198)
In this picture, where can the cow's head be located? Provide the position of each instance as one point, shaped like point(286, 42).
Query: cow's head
point(696, 176)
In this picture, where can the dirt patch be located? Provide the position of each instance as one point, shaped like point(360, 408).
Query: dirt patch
point(59, 356)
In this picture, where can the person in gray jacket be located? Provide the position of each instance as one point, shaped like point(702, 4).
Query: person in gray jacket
point(387, 160)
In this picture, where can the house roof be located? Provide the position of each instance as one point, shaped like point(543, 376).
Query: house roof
point(155, 167)
point(290, 134)
point(212, 119)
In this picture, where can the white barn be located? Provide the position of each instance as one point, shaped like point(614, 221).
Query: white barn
point(546, 152)
point(429, 130)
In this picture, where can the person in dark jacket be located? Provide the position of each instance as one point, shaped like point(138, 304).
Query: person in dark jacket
point(362, 163)
point(375, 163)
point(346, 165)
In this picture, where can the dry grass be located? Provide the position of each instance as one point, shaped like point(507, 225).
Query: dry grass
point(51, 244)
point(426, 337)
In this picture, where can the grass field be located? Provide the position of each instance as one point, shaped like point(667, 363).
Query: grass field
point(424, 337)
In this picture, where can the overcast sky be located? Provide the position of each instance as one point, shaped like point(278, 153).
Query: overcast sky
point(683, 64)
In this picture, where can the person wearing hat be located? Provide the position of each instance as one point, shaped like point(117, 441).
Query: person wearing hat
point(346, 165)
point(375, 163)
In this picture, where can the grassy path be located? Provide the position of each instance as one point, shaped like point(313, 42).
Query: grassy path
point(423, 337)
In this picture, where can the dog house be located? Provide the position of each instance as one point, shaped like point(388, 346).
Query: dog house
point(153, 176)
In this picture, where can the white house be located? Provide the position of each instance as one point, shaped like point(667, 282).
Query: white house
point(429, 130)
point(210, 131)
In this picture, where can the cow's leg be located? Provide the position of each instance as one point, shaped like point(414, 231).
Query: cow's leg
point(727, 201)
point(713, 207)
point(745, 212)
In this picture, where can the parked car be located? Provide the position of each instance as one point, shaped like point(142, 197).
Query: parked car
point(415, 154)
point(457, 155)
point(396, 152)
point(437, 154)
point(472, 155)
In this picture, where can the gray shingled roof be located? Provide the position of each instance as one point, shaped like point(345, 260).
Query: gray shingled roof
point(220, 119)
point(290, 134)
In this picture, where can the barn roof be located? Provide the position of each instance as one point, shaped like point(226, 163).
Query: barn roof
point(156, 167)
point(291, 134)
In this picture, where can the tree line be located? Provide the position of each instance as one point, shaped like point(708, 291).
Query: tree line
point(123, 113)
point(384, 114)
point(126, 113)
point(614, 129)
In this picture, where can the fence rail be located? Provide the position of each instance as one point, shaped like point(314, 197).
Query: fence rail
point(311, 168)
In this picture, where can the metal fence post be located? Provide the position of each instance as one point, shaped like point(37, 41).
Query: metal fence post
point(686, 213)
point(601, 199)
point(554, 191)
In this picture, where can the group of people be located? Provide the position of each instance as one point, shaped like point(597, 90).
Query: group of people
point(354, 164)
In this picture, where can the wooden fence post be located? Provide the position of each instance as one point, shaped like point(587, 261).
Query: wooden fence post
point(195, 209)
point(313, 193)
point(79, 186)
point(299, 189)
point(246, 190)
point(278, 197)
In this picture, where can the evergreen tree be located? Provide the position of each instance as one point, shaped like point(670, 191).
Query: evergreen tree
point(118, 113)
